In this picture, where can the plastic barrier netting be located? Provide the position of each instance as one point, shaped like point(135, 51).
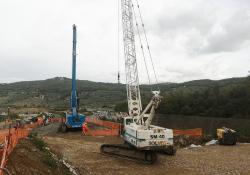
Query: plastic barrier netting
point(114, 129)
point(108, 128)
point(197, 132)
point(9, 139)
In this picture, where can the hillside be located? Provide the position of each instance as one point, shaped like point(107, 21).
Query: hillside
point(179, 98)
point(55, 93)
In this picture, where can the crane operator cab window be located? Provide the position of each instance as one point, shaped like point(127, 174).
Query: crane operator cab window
point(128, 120)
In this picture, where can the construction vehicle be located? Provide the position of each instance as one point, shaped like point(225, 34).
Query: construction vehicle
point(142, 140)
point(73, 120)
point(226, 136)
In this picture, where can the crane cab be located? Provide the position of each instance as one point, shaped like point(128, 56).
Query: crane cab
point(128, 120)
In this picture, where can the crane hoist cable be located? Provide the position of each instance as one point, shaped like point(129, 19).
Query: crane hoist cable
point(118, 40)
point(146, 38)
point(140, 39)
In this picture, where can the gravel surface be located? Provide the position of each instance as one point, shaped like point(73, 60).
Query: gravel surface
point(83, 152)
point(52, 128)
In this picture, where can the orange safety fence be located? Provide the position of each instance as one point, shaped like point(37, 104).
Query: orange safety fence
point(9, 139)
point(107, 124)
point(103, 132)
point(113, 129)
point(197, 132)
point(110, 128)
point(56, 120)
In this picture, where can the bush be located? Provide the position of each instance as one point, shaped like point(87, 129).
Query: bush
point(49, 160)
point(39, 143)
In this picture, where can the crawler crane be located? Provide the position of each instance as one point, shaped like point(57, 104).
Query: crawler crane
point(142, 139)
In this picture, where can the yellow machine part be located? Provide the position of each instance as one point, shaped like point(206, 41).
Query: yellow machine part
point(220, 133)
point(226, 136)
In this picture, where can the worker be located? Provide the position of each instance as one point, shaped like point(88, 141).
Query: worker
point(15, 127)
point(84, 128)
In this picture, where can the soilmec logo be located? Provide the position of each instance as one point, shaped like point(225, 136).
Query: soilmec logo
point(157, 143)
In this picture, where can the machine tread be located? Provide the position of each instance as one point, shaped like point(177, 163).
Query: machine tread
point(115, 150)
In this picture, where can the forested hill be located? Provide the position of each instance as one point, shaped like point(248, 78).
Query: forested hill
point(223, 98)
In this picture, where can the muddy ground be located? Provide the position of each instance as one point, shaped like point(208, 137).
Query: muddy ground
point(83, 153)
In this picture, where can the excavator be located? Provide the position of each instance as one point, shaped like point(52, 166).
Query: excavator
point(142, 140)
point(73, 120)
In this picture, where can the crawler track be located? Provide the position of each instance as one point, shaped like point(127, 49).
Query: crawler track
point(128, 152)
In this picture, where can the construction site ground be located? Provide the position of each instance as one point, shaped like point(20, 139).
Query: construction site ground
point(83, 153)
point(27, 159)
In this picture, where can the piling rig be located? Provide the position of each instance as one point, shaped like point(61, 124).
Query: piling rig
point(142, 140)
point(73, 120)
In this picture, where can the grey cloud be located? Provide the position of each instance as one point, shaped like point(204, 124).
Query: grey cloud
point(205, 30)
point(36, 39)
point(235, 34)
point(185, 22)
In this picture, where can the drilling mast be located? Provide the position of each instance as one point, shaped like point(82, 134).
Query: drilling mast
point(73, 119)
point(73, 100)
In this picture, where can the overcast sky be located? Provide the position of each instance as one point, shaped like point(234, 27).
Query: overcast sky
point(194, 39)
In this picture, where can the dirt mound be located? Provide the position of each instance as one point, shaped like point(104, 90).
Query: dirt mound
point(27, 159)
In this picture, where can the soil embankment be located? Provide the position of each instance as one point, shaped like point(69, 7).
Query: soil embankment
point(27, 159)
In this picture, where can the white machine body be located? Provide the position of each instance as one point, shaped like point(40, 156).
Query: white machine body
point(143, 138)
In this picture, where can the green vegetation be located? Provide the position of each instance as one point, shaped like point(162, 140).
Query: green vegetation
point(55, 94)
point(232, 100)
point(42, 146)
point(39, 143)
point(49, 160)
point(244, 134)
point(223, 98)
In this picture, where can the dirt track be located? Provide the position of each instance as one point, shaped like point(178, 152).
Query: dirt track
point(83, 153)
